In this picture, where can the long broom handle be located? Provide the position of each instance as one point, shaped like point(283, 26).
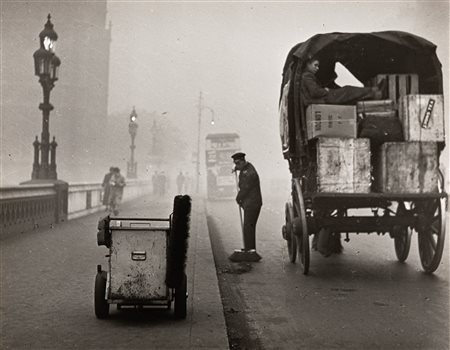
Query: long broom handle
point(240, 209)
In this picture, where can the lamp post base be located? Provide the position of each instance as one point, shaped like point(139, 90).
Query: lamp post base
point(132, 170)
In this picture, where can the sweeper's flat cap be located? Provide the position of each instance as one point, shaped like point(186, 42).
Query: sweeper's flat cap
point(238, 155)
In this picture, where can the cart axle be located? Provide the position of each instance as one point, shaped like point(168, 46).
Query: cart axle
point(359, 223)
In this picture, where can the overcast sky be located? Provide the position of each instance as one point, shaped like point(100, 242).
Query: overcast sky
point(164, 53)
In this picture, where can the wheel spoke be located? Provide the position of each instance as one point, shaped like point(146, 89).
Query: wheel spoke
point(432, 242)
point(432, 210)
point(425, 249)
point(435, 228)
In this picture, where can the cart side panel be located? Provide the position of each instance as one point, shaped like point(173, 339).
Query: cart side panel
point(138, 264)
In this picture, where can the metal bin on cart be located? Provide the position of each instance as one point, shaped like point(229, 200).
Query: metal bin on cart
point(138, 263)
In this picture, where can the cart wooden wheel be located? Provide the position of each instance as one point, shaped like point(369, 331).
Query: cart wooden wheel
point(288, 232)
point(301, 227)
point(431, 233)
point(101, 305)
point(402, 236)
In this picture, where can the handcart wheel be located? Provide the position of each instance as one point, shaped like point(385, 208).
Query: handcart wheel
point(431, 233)
point(402, 236)
point(289, 232)
point(100, 303)
point(302, 229)
point(180, 307)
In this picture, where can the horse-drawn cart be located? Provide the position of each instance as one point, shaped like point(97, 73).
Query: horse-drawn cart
point(341, 185)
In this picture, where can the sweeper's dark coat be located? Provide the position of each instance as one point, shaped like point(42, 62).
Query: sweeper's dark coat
point(249, 195)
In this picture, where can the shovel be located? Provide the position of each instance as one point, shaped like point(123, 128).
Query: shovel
point(242, 255)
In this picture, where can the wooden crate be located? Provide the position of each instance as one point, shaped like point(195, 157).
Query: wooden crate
point(330, 120)
point(376, 106)
point(422, 117)
point(407, 167)
point(343, 165)
point(399, 85)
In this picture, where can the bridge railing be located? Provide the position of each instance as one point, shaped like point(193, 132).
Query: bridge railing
point(27, 207)
point(86, 198)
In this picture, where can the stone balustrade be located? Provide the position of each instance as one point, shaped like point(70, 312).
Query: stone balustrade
point(26, 207)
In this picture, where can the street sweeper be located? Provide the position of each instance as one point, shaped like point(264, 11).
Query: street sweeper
point(249, 200)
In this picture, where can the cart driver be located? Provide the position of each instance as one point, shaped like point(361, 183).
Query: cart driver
point(313, 93)
point(248, 197)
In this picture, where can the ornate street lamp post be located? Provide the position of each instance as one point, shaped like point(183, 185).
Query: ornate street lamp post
point(46, 66)
point(132, 129)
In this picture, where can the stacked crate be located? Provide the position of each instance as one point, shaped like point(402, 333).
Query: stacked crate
point(343, 165)
point(393, 142)
point(410, 165)
point(342, 161)
point(398, 85)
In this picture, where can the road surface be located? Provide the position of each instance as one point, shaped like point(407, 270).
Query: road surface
point(362, 299)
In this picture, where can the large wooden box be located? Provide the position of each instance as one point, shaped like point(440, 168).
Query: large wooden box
point(398, 85)
point(375, 106)
point(343, 165)
point(330, 120)
point(407, 167)
point(422, 117)
point(138, 260)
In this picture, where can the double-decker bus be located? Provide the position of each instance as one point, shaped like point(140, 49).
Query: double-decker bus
point(220, 180)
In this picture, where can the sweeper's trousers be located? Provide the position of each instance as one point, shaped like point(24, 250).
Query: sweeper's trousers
point(251, 215)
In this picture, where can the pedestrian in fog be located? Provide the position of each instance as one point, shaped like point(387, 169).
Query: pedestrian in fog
point(162, 183)
point(180, 182)
point(187, 182)
point(106, 188)
point(155, 182)
point(117, 184)
point(248, 197)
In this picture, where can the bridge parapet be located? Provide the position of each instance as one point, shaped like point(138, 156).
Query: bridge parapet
point(23, 208)
point(27, 207)
point(86, 198)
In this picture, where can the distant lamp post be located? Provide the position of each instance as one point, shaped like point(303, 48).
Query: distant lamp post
point(132, 129)
point(201, 107)
point(46, 66)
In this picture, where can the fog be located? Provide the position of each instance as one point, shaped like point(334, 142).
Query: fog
point(163, 54)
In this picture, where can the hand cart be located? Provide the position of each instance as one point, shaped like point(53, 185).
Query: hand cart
point(146, 261)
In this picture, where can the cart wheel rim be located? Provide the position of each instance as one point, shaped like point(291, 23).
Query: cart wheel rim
point(302, 231)
point(431, 235)
point(402, 236)
point(290, 237)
